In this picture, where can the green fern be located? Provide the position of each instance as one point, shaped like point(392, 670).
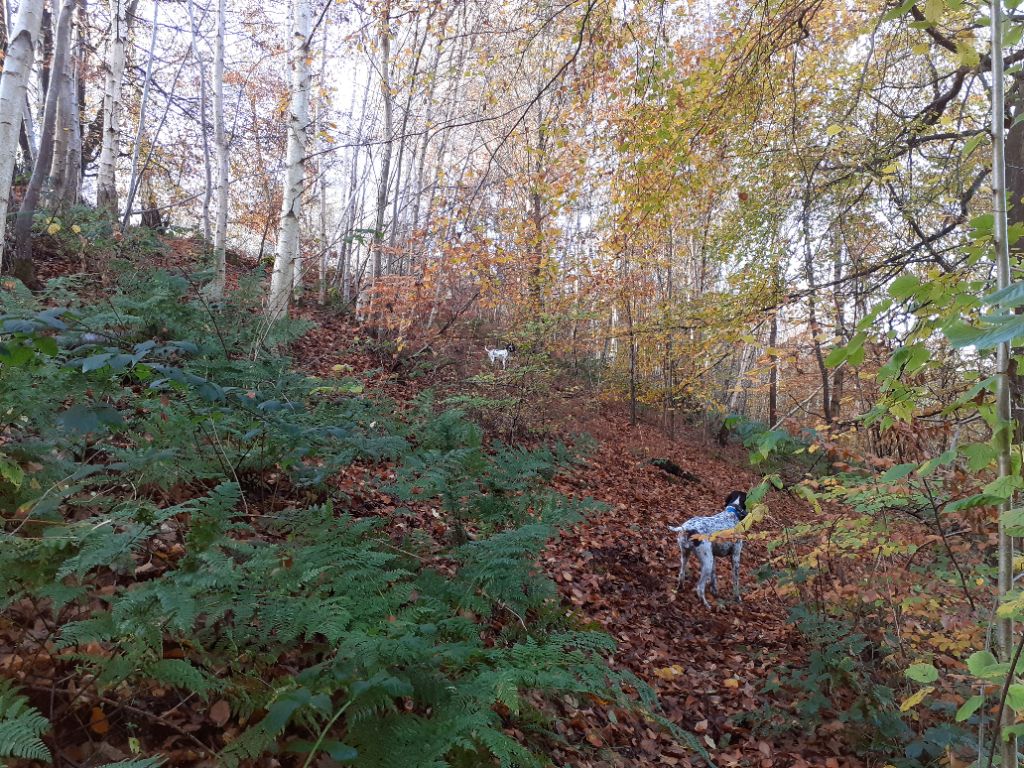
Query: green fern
point(21, 725)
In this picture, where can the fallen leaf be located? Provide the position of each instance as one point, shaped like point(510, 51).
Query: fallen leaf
point(220, 713)
point(98, 722)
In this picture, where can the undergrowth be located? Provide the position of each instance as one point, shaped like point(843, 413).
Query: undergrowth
point(175, 539)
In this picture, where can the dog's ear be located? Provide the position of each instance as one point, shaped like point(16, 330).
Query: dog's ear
point(736, 497)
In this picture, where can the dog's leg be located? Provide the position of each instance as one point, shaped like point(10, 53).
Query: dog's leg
point(737, 549)
point(684, 559)
point(707, 570)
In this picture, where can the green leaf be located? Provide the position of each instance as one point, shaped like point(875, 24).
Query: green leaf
point(933, 10)
point(943, 459)
point(970, 502)
point(1013, 519)
point(969, 707)
point(972, 143)
point(1015, 697)
point(1010, 296)
point(836, 356)
point(922, 673)
point(11, 472)
point(981, 225)
point(46, 344)
point(903, 287)
point(998, 329)
point(967, 54)
point(899, 11)
point(897, 473)
point(979, 661)
point(1003, 487)
point(83, 419)
point(1012, 36)
point(95, 362)
point(979, 455)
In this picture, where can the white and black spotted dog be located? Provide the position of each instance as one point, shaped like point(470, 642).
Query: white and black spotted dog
point(693, 536)
point(496, 355)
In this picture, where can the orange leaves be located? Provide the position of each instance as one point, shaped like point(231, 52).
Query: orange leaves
point(98, 722)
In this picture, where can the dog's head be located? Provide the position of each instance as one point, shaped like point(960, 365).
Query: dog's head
point(737, 499)
point(510, 347)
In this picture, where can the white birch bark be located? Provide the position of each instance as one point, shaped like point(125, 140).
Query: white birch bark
point(134, 177)
point(208, 173)
point(13, 84)
point(106, 174)
point(73, 178)
point(57, 182)
point(21, 260)
point(291, 205)
point(220, 139)
point(385, 163)
point(322, 174)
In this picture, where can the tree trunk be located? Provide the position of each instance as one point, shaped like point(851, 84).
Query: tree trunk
point(22, 266)
point(207, 172)
point(291, 203)
point(1004, 635)
point(17, 65)
point(73, 179)
point(106, 174)
point(60, 167)
point(385, 163)
point(322, 175)
point(220, 139)
point(812, 312)
point(133, 178)
point(773, 372)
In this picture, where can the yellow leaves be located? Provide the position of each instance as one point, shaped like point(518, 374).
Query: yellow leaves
point(921, 48)
point(669, 673)
point(933, 10)
point(53, 229)
point(833, 130)
point(966, 54)
point(732, 682)
point(915, 698)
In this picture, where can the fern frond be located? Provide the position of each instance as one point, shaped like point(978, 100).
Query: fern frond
point(21, 725)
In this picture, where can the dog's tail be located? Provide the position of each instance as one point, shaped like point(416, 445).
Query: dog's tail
point(677, 528)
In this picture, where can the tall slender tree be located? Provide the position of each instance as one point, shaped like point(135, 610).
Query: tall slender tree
point(282, 278)
point(1003, 430)
point(220, 140)
point(13, 88)
point(106, 174)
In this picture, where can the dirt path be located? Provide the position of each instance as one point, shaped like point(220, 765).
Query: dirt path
point(619, 568)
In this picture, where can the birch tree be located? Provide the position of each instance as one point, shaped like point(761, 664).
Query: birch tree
point(13, 84)
point(106, 174)
point(385, 163)
point(135, 175)
point(21, 265)
point(291, 204)
point(221, 142)
point(56, 188)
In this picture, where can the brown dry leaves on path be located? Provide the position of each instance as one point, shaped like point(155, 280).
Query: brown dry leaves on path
point(618, 568)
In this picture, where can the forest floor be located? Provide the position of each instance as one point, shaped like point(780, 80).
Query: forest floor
point(618, 568)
